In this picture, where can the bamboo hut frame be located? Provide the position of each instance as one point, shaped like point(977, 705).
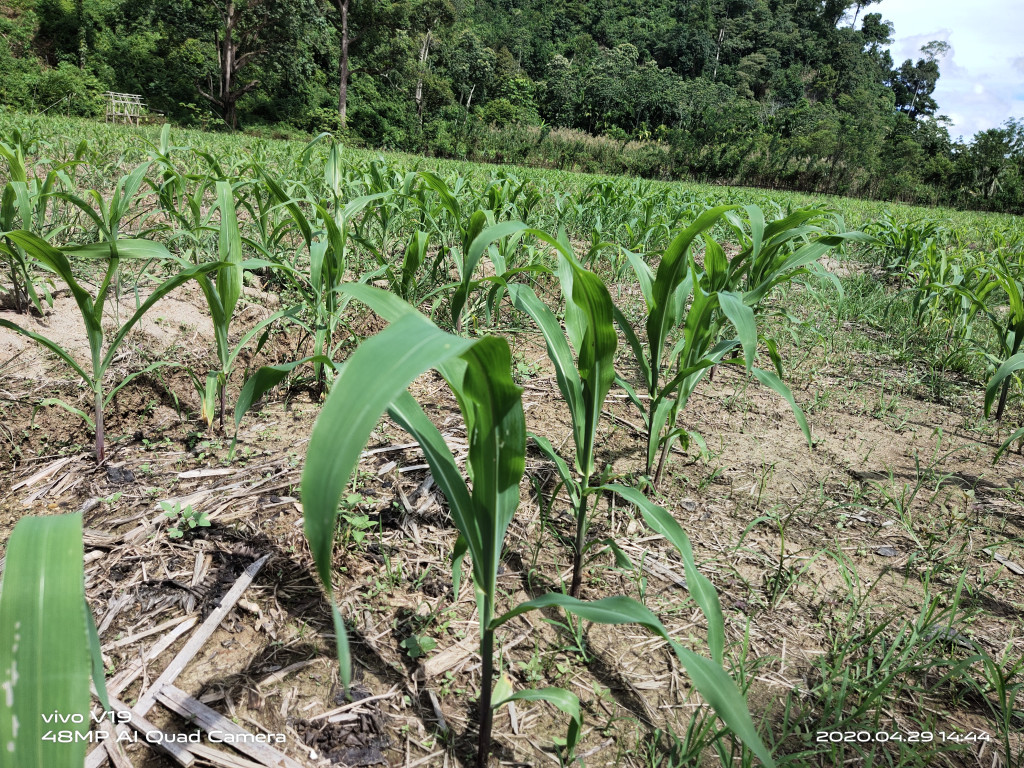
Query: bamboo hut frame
point(126, 108)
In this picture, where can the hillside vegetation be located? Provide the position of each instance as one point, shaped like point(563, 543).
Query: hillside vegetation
point(798, 94)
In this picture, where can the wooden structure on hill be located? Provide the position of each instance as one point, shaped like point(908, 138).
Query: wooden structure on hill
point(130, 109)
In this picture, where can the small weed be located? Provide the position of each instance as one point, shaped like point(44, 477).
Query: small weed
point(183, 518)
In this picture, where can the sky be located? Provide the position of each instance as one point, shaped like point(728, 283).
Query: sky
point(981, 79)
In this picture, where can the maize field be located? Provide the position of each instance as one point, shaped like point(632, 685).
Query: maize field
point(416, 463)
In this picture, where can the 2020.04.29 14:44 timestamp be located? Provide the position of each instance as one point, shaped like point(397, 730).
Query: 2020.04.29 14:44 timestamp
point(905, 737)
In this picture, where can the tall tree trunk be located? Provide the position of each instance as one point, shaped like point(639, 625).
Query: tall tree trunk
point(343, 64)
point(227, 93)
point(424, 51)
point(718, 52)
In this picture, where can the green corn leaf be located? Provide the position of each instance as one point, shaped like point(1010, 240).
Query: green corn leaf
point(806, 254)
point(127, 248)
point(229, 277)
point(1002, 448)
point(773, 382)
point(52, 346)
point(742, 317)
point(634, 344)
point(481, 239)
point(415, 254)
point(15, 160)
point(58, 263)
point(608, 610)
point(283, 198)
point(671, 272)
point(374, 376)
point(168, 285)
point(45, 659)
point(266, 378)
point(644, 275)
point(1009, 366)
point(492, 406)
point(566, 375)
point(596, 356)
point(572, 486)
point(716, 265)
point(712, 682)
point(56, 401)
point(448, 200)
point(558, 697)
point(717, 688)
point(702, 590)
point(410, 416)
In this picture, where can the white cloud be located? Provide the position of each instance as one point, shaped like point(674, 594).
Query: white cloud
point(980, 77)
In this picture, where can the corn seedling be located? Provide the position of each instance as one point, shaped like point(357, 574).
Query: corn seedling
point(91, 309)
point(222, 295)
point(583, 383)
point(479, 372)
point(674, 296)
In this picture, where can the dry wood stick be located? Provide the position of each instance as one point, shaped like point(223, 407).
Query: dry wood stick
point(98, 757)
point(210, 720)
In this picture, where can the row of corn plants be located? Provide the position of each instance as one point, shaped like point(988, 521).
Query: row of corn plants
point(972, 302)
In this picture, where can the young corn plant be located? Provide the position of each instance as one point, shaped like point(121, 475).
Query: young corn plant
point(91, 308)
point(16, 213)
point(583, 383)
point(222, 295)
point(373, 380)
point(326, 235)
point(110, 218)
point(467, 231)
point(1008, 327)
point(24, 205)
point(674, 297)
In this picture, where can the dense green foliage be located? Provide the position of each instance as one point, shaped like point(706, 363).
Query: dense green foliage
point(790, 93)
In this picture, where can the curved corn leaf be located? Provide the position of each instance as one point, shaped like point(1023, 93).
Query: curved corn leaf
point(266, 378)
point(773, 382)
point(558, 697)
point(1002, 448)
point(168, 285)
point(408, 414)
point(1009, 366)
point(712, 682)
point(50, 345)
point(448, 200)
point(56, 401)
point(571, 485)
point(374, 376)
point(702, 590)
point(58, 262)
